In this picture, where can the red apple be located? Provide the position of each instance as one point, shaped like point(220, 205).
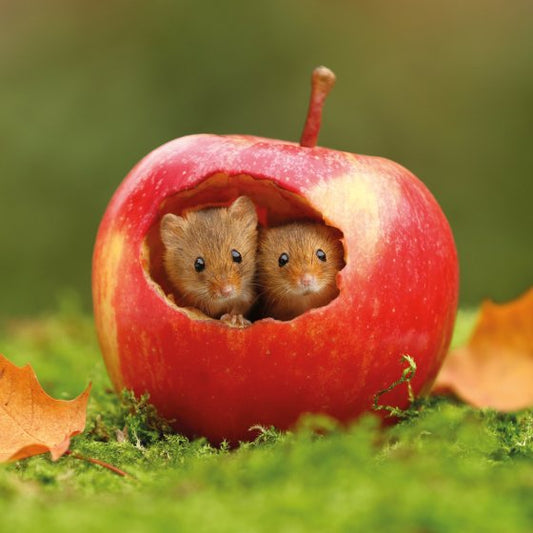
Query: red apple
point(398, 290)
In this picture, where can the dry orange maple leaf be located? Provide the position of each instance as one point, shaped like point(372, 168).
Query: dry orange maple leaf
point(495, 368)
point(31, 422)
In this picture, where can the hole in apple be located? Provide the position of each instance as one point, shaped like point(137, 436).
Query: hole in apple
point(275, 207)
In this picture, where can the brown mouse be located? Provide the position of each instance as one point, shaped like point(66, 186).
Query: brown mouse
point(297, 266)
point(210, 259)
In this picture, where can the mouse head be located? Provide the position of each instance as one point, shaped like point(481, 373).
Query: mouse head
point(210, 254)
point(300, 259)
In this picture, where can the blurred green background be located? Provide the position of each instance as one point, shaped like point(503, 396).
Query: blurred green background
point(89, 87)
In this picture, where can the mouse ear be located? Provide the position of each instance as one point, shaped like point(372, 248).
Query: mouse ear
point(171, 229)
point(335, 232)
point(244, 209)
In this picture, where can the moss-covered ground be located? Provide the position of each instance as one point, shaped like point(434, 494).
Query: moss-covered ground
point(446, 467)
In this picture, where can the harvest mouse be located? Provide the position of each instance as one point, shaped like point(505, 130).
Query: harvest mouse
point(297, 266)
point(210, 259)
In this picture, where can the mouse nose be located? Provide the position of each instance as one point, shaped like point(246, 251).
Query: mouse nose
point(307, 280)
point(227, 290)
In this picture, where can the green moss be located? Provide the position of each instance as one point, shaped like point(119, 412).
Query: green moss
point(450, 468)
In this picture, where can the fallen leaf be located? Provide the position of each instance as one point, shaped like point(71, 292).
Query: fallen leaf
point(495, 368)
point(31, 422)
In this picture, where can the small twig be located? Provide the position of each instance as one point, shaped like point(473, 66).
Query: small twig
point(99, 463)
point(406, 377)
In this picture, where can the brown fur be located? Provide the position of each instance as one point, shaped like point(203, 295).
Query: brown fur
point(282, 294)
point(212, 234)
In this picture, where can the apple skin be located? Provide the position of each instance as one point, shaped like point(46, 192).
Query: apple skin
point(398, 291)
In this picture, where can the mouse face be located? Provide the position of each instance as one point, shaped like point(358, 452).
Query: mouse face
point(210, 257)
point(297, 267)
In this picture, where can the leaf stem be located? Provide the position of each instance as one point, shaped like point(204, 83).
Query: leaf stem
point(103, 464)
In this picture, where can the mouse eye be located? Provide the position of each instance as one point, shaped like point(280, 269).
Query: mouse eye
point(321, 255)
point(283, 259)
point(237, 257)
point(199, 264)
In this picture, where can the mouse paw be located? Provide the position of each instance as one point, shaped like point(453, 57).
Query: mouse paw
point(235, 321)
point(170, 296)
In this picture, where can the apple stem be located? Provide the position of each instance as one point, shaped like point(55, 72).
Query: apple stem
point(322, 81)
